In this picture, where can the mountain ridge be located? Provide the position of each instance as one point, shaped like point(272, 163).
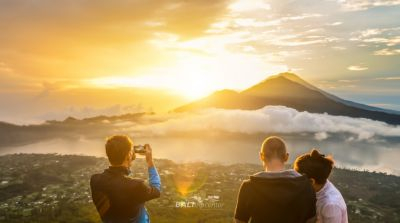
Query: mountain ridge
point(289, 90)
point(296, 78)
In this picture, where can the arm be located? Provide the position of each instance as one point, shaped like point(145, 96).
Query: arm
point(242, 213)
point(153, 190)
point(154, 178)
point(100, 199)
point(144, 192)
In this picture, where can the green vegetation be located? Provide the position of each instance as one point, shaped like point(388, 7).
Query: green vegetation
point(55, 188)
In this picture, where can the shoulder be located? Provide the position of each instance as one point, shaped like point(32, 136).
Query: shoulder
point(331, 209)
point(97, 181)
point(135, 180)
point(104, 177)
point(334, 196)
point(332, 203)
point(245, 183)
point(95, 178)
point(244, 187)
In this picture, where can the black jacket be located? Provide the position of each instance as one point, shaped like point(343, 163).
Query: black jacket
point(276, 199)
point(119, 198)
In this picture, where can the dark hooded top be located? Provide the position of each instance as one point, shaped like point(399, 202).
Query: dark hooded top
point(118, 197)
point(275, 197)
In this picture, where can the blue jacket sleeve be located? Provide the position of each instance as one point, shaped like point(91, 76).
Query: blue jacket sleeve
point(154, 178)
point(150, 193)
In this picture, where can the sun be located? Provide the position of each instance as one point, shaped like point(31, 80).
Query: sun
point(194, 86)
point(190, 78)
point(193, 90)
point(190, 86)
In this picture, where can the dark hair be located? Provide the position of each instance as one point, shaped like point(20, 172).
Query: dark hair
point(274, 147)
point(117, 147)
point(314, 165)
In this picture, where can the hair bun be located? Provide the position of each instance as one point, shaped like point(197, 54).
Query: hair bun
point(315, 154)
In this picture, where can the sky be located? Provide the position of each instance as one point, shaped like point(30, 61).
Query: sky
point(85, 58)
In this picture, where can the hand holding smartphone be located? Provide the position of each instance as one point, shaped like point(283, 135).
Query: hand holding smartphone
point(145, 150)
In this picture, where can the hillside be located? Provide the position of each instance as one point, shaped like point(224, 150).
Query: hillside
point(54, 188)
point(70, 128)
point(291, 91)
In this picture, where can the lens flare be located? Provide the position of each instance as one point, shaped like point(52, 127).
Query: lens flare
point(188, 179)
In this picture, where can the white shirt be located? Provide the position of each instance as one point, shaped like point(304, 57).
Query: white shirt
point(331, 207)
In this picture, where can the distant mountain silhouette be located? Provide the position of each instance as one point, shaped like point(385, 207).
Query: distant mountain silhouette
point(289, 90)
point(69, 128)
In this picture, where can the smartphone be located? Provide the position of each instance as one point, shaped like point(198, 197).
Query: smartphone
point(139, 149)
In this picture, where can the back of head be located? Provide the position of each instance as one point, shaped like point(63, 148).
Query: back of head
point(274, 147)
point(315, 166)
point(117, 147)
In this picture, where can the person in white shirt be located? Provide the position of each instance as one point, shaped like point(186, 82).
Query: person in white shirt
point(331, 207)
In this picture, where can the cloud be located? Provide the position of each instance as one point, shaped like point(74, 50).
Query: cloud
point(388, 78)
point(357, 68)
point(335, 24)
point(389, 38)
point(368, 33)
point(4, 68)
point(358, 5)
point(249, 5)
point(92, 38)
point(321, 136)
point(46, 40)
point(387, 52)
point(347, 81)
point(282, 28)
point(388, 41)
point(270, 119)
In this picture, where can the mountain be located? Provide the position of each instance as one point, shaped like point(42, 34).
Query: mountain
point(70, 128)
point(297, 79)
point(289, 90)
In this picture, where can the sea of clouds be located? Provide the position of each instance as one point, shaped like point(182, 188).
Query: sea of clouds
point(269, 119)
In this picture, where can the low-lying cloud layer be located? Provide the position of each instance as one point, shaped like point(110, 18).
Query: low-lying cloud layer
point(270, 119)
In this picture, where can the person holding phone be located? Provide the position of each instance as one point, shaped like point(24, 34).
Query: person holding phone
point(117, 196)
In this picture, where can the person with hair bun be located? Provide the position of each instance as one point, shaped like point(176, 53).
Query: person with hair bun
point(331, 207)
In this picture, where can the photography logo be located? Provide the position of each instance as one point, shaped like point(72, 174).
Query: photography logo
point(211, 202)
